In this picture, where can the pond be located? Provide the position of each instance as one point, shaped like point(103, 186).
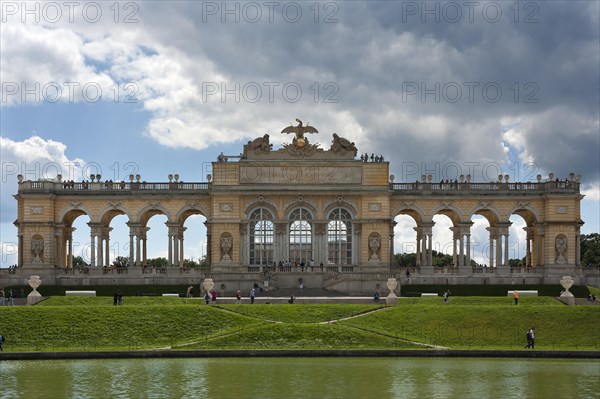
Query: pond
point(301, 378)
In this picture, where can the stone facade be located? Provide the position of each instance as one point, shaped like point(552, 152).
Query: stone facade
point(305, 204)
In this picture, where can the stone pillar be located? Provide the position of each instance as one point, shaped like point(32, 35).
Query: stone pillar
point(505, 261)
point(94, 233)
point(100, 252)
point(133, 229)
point(465, 236)
point(144, 240)
point(21, 248)
point(455, 238)
point(392, 225)
point(461, 253)
point(493, 240)
point(171, 235)
point(529, 237)
point(208, 243)
point(419, 231)
point(107, 242)
point(320, 242)
point(357, 245)
point(539, 244)
point(180, 232)
point(243, 247)
point(578, 247)
point(70, 257)
point(60, 246)
point(428, 248)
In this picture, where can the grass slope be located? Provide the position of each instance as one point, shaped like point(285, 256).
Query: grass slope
point(464, 325)
point(88, 323)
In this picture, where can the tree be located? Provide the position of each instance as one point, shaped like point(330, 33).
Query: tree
point(78, 261)
point(405, 260)
point(122, 261)
point(190, 263)
point(590, 249)
point(158, 262)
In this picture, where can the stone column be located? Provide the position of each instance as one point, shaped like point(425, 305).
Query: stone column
point(94, 241)
point(419, 231)
point(320, 242)
point(493, 239)
point(144, 240)
point(357, 245)
point(461, 253)
point(465, 254)
point(132, 234)
point(21, 248)
point(180, 232)
point(578, 247)
point(455, 238)
point(106, 232)
point(539, 244)
point(60, 246)
point(208, 243)
point(171, 234)
point(70, 258)
point(100, 252)
point(392, 225)
point(244, 243)
point(530, 233)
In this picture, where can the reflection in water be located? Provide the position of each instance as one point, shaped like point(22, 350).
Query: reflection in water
point(301, 378)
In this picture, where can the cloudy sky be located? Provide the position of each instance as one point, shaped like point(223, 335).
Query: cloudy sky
point(163, 87)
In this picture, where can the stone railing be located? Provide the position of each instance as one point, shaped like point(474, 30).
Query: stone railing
point(114, 187)
point(447, 188)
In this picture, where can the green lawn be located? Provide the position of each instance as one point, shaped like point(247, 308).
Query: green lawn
point(93, 323)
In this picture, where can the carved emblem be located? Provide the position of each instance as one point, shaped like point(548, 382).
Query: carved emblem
point(37, 210)
point(485, 204)
point(374, 206)
point(562, 209)
point(226, 207)
point(299, 141)
point(154, 203)
point(75, 205)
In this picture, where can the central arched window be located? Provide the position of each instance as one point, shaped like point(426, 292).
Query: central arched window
point(300, 236)
point(339, 237)
point(261, 237)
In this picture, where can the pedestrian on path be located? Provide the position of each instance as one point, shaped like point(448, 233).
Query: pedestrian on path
point(516, 296)
point(252, 295)
point(530, 339)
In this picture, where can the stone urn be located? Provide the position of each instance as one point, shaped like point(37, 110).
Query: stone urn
point(34, 297)
point(566, 296)
point(208, 284)
point(392, 284)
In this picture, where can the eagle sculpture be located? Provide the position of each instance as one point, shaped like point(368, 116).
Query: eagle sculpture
point(299, 140)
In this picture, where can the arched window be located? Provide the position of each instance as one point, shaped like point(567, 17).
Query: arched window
point(339, 237)
point(300, 236)
point(261, 236)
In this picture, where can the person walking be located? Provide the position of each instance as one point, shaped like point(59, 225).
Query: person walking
point(2, 296)
point(238, 297)
point(252, 295)
point(516, 296)
point(2, 339)
point(530, 338)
